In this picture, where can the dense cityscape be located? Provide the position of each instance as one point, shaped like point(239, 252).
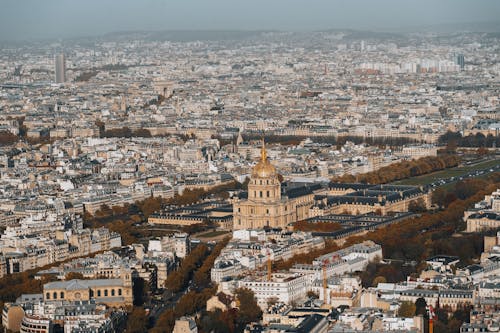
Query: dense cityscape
point(251, 181)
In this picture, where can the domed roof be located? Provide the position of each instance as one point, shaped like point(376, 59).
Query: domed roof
point(264, 169)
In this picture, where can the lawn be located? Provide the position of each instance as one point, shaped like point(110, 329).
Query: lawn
point(443, 174)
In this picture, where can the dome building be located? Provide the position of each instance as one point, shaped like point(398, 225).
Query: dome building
point(266, 204)
point(271, 204)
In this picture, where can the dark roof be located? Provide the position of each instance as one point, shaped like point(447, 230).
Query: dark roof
point(443, 259)
point(308, 324)
point(296, 192)
point(354, 186)
point(488, 215)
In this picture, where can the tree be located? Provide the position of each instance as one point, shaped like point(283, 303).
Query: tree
point(439, 197)
point(417, 206)
point(136, 321)
point(249, 311)
point(218, 321)
point(73, 276)
point(379, 279)
point(317, 226)
point(149, 206)
point(420, 306)
point(482, 151)
point(175, 281)
point(407, 309)
point(165, 323)
point(312, 294)
point(7, 138)
point(140, 290)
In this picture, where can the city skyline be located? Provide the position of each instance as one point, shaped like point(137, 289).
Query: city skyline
point(138, 194)
point(61, 19)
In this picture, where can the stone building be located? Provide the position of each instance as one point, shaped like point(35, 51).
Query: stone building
point(112, 292)
point(266, 204)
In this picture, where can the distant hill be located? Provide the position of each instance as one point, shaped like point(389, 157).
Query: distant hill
point(186, 35)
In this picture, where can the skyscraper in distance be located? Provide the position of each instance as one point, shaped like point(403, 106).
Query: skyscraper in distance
point(459, 60)
point(60, 68)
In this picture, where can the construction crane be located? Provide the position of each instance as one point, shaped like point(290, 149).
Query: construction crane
point(431, 318)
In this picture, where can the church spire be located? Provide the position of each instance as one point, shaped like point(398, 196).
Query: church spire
point(263, 152)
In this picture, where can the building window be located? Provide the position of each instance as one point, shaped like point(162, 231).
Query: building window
point(105, 292)
point(268, 194)
point(47, 295)
point(260, 194)
point(98, 293)
point(112, 292)
point(91, 293)
point(54, 295)
point(61, 294)
point(119, 292)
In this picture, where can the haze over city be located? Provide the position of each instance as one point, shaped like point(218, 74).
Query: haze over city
point(32, 19)
point(226, 166)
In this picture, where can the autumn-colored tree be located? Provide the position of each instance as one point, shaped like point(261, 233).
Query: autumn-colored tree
point(175, 281)
point(482, 151)
point(438, 197)
point(417, 206)
point(312, 294)
point(73, 276)
point(136, 321)
point(249, 311)
point(407, 309)
point(317, 226)
point(201, 278)
point(218, 321)
point(304, 258)
point(149, 206)
point(165, 322)
point(7, 138)
point(379, 279)
point(402, 170)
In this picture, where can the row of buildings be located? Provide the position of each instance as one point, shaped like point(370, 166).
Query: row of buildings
point(268, 203)
point(46, 239)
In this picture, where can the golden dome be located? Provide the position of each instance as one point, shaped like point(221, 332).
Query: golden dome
point(263, 169)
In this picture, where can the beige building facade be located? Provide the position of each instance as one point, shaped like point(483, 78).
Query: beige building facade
point(112, 292)
point(265, 206)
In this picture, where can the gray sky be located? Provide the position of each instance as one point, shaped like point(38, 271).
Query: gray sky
point(27, 19)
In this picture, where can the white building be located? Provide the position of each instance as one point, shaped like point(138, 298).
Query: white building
point(284, 287)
